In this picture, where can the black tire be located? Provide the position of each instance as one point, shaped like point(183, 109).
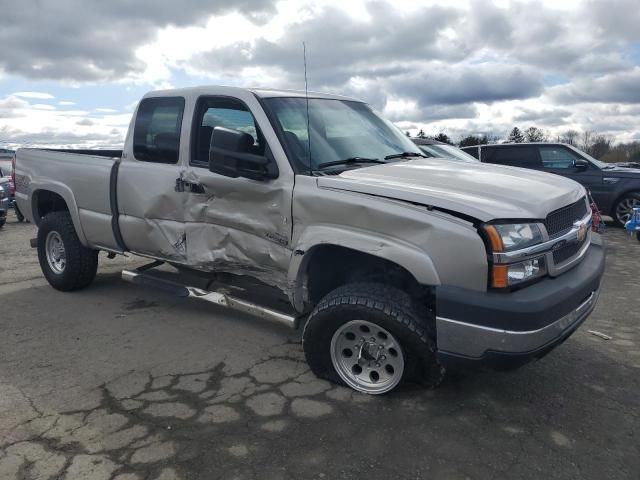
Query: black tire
point(389, 308)
point(2, 222)
point(627, 199)
point(81, 262)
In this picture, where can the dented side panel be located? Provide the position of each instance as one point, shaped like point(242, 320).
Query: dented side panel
point(234, 225)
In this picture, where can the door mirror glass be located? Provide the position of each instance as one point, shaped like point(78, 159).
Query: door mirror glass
point(231, 155)
point(581, 163)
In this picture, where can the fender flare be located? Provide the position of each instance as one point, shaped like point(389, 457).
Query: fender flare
point(67, 195)
point(416, 261)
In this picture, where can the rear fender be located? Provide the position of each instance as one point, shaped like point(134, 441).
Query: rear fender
point(67, 195)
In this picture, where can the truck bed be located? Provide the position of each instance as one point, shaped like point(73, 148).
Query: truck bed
point(95, 152)
point(81, 177)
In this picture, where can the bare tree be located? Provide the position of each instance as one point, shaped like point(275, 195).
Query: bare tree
point(570, 137)
point(586, 140)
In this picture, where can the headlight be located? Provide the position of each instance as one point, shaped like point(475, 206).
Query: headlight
point(514, 236)
point(509, 238)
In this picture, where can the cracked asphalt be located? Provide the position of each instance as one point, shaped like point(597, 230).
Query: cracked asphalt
point(121, 382)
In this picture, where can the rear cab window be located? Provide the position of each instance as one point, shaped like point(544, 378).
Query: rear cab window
point(525, 157)
point(156, 134)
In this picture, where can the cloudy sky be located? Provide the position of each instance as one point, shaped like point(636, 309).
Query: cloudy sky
point(71, 71)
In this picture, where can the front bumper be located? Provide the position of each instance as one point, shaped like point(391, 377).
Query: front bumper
point(507, 329)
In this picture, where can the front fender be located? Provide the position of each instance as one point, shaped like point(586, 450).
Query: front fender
point(416, 261)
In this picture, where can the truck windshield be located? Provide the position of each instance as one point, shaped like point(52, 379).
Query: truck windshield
point(448, 151)
point(340, 130)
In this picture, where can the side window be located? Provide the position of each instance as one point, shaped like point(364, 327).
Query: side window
point(525, 157)
point(156, 134)
point(557, 157)
point(222, 112)
point(473, 151)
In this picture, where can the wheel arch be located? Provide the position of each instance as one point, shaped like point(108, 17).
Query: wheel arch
point(619, 197)
point(56, 198)
point(327, 257)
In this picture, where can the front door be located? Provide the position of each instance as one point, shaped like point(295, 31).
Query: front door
point(235, 225)
point(561, 160)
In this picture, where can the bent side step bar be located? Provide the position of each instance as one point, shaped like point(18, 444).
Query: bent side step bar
point(138, 277)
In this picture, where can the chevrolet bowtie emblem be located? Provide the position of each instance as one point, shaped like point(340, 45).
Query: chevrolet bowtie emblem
point(582, 232)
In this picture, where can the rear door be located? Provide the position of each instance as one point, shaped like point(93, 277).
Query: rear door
point(151, 209)
point(561, 160)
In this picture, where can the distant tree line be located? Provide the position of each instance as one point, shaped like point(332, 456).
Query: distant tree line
point(600, 146)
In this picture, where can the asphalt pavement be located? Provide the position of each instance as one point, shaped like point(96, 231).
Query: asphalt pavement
point(123, 382)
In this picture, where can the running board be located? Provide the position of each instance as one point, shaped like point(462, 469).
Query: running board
point(217, 298)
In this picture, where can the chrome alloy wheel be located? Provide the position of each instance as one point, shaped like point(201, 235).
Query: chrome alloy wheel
point(367, 357)
point(624, 209)
point(54, 249)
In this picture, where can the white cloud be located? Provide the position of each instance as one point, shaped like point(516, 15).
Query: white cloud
point(464, 66)
point(39, 95)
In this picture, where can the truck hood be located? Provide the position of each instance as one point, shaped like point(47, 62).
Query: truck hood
point(482, 191)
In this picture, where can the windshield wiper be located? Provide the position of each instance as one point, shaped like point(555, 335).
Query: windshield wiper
point(350, 161)
point(405, 155)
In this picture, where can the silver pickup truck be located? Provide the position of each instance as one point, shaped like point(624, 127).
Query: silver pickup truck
point(313, 210)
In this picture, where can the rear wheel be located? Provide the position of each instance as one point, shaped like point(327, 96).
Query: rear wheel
point(66, 263)
point(371, 337)
point(624, 208)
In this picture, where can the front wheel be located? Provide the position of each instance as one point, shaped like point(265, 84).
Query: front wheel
point(371, 337)
point(66, 263)
point(623, 208)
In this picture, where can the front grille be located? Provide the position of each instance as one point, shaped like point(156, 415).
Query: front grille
point(567, 251)
point(560, 221)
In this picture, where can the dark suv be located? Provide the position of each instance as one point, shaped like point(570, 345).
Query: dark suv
point(616, 190)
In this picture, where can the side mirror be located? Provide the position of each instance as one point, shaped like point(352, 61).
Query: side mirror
point(230, 155)
point(581, 163)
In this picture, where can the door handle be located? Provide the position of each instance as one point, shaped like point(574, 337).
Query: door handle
point(183, 186)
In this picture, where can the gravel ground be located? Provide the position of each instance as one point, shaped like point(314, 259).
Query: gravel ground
point(121, 382)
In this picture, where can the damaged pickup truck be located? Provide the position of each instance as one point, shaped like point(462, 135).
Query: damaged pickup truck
point(397, 265)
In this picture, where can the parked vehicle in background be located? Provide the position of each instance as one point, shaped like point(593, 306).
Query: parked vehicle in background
point(627, 164)
point(6, 180)
point(433, 148)
point(4, 206)
point(616, 190)
point(397, 265)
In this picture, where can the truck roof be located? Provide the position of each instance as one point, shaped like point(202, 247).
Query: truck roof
point(259, 92)
point(513, 144)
